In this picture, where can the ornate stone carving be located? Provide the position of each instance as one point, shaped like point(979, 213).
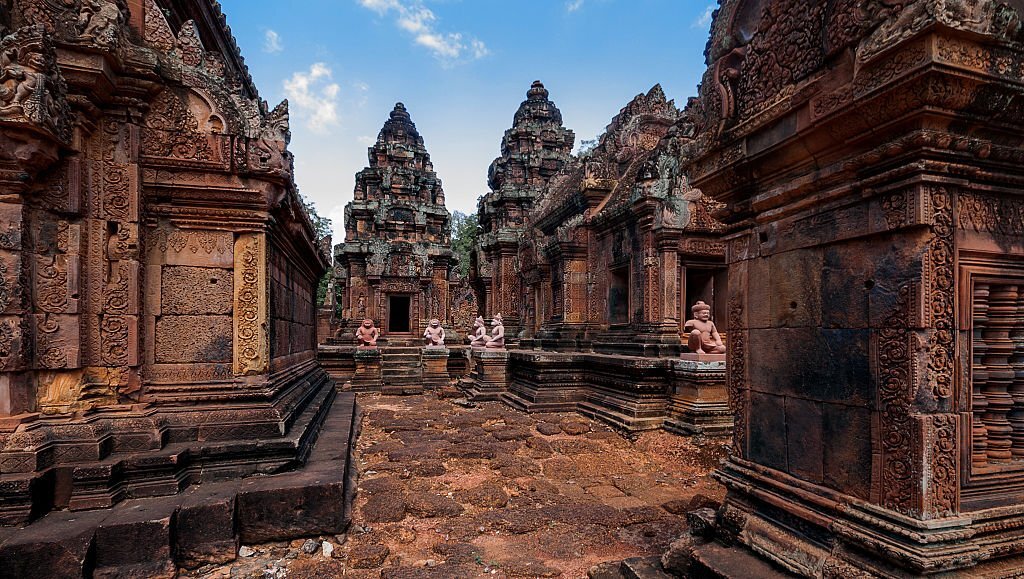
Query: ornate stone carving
point(31, 88)
point(251, 341)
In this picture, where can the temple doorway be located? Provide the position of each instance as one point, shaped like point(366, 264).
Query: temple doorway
point(398, 314)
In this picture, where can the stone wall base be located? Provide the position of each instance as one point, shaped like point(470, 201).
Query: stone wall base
point(99, 460)
point(151, 537)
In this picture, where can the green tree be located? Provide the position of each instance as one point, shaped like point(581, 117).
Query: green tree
point(322, 228)
point(465, 230)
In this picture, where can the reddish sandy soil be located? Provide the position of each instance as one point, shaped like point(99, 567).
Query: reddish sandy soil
point(448, 491)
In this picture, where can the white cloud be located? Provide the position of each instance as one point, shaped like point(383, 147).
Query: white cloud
point(573, 5)
point(272, 42)
point(704, 20)
point(366, 140)
point(314, 97)
point(419, 21)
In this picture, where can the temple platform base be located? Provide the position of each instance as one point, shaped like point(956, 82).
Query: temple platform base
point(488, 380)
point(699, 401)
point(152, 537)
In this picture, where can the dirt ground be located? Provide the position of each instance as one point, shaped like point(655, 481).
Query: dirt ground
point(449, 491)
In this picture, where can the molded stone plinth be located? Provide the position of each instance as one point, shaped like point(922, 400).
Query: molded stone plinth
point(699, 400)
point(367, 376)
point(435, 367)
point(487, 381)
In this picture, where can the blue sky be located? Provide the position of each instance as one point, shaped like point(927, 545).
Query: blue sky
point(461, 67)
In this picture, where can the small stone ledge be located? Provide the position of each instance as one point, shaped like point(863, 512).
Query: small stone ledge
point(203, 525)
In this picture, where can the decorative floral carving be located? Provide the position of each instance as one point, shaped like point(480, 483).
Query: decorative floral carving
point(114, 340)
point(737, 376)
point(895, 392)
point(172, 131)
point(52, 287)
point(250, 307)
point(940, 269)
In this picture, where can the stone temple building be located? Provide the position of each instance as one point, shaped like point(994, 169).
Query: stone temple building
point(597, 257)
point(532, 152)
point(870, 157)
point(158, 275)
point(395, 265)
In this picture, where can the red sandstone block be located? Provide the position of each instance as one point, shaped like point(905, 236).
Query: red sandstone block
point(135, 540)
point(55, 546)
point(204, 531)
point(299, 504)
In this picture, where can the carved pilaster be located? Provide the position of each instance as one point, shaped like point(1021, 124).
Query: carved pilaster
point(251, 339)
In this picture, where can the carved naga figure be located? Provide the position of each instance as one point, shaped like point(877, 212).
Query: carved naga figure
point(434, 334)
point(367, 334)
point(704, 337)
point(22, 82)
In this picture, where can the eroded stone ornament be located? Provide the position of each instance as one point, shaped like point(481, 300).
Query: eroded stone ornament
point(497, 339)
point(367, 334)
point(434, 334)
point(704, 337)
point(479, 335)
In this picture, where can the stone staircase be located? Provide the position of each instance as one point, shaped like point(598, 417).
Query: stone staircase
point(402, 370)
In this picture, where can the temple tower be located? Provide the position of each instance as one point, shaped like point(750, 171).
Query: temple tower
point(395, 263)
point(532, 152)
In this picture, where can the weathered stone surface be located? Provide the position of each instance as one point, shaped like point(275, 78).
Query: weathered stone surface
point(196, 291)
point(135, 540)
point(384, 508)
point(185, 339)
point(305, 505)
point(426, 505)
point(368, 556)
point(152, 248)
point(204, 531)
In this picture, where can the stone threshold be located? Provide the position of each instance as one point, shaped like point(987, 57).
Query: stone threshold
point(205, 524)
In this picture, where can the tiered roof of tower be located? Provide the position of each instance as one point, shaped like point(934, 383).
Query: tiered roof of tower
point(398, 197)
point(533, 151)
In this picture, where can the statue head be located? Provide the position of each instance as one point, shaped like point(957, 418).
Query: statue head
point(479, 322)
point(497, 319)
point(368, 323)
point(701, 311)
point(435, 323)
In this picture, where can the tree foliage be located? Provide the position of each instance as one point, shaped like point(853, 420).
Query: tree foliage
point(321, 225)
point(465, 229)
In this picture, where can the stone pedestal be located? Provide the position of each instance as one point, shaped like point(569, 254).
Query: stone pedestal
point(435, 367)
point(487, 381)
point(368, 376)
point(698, 400)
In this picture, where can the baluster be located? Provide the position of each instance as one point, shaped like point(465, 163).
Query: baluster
point(979, 434)
point(1002, 312)
point(1016, 416)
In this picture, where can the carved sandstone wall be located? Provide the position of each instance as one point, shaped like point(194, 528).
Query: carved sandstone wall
point(157, 271)
point(869, 155)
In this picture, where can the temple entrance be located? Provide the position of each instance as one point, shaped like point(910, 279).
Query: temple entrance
point(398, 314)
point(618, 296)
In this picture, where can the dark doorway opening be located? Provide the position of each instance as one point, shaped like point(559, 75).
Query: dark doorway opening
point(618, 296)
point(398, 314)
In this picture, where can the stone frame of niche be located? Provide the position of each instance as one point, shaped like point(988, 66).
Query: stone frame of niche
point(1000, 483)
point(615, 272)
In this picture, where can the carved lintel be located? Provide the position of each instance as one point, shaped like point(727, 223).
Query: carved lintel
point(251, 339)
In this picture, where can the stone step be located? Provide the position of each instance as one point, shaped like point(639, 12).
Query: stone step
point(201, 526)
point(644, 568)
point(716, 561)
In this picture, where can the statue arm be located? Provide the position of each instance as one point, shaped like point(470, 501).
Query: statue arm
point(715, 335)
